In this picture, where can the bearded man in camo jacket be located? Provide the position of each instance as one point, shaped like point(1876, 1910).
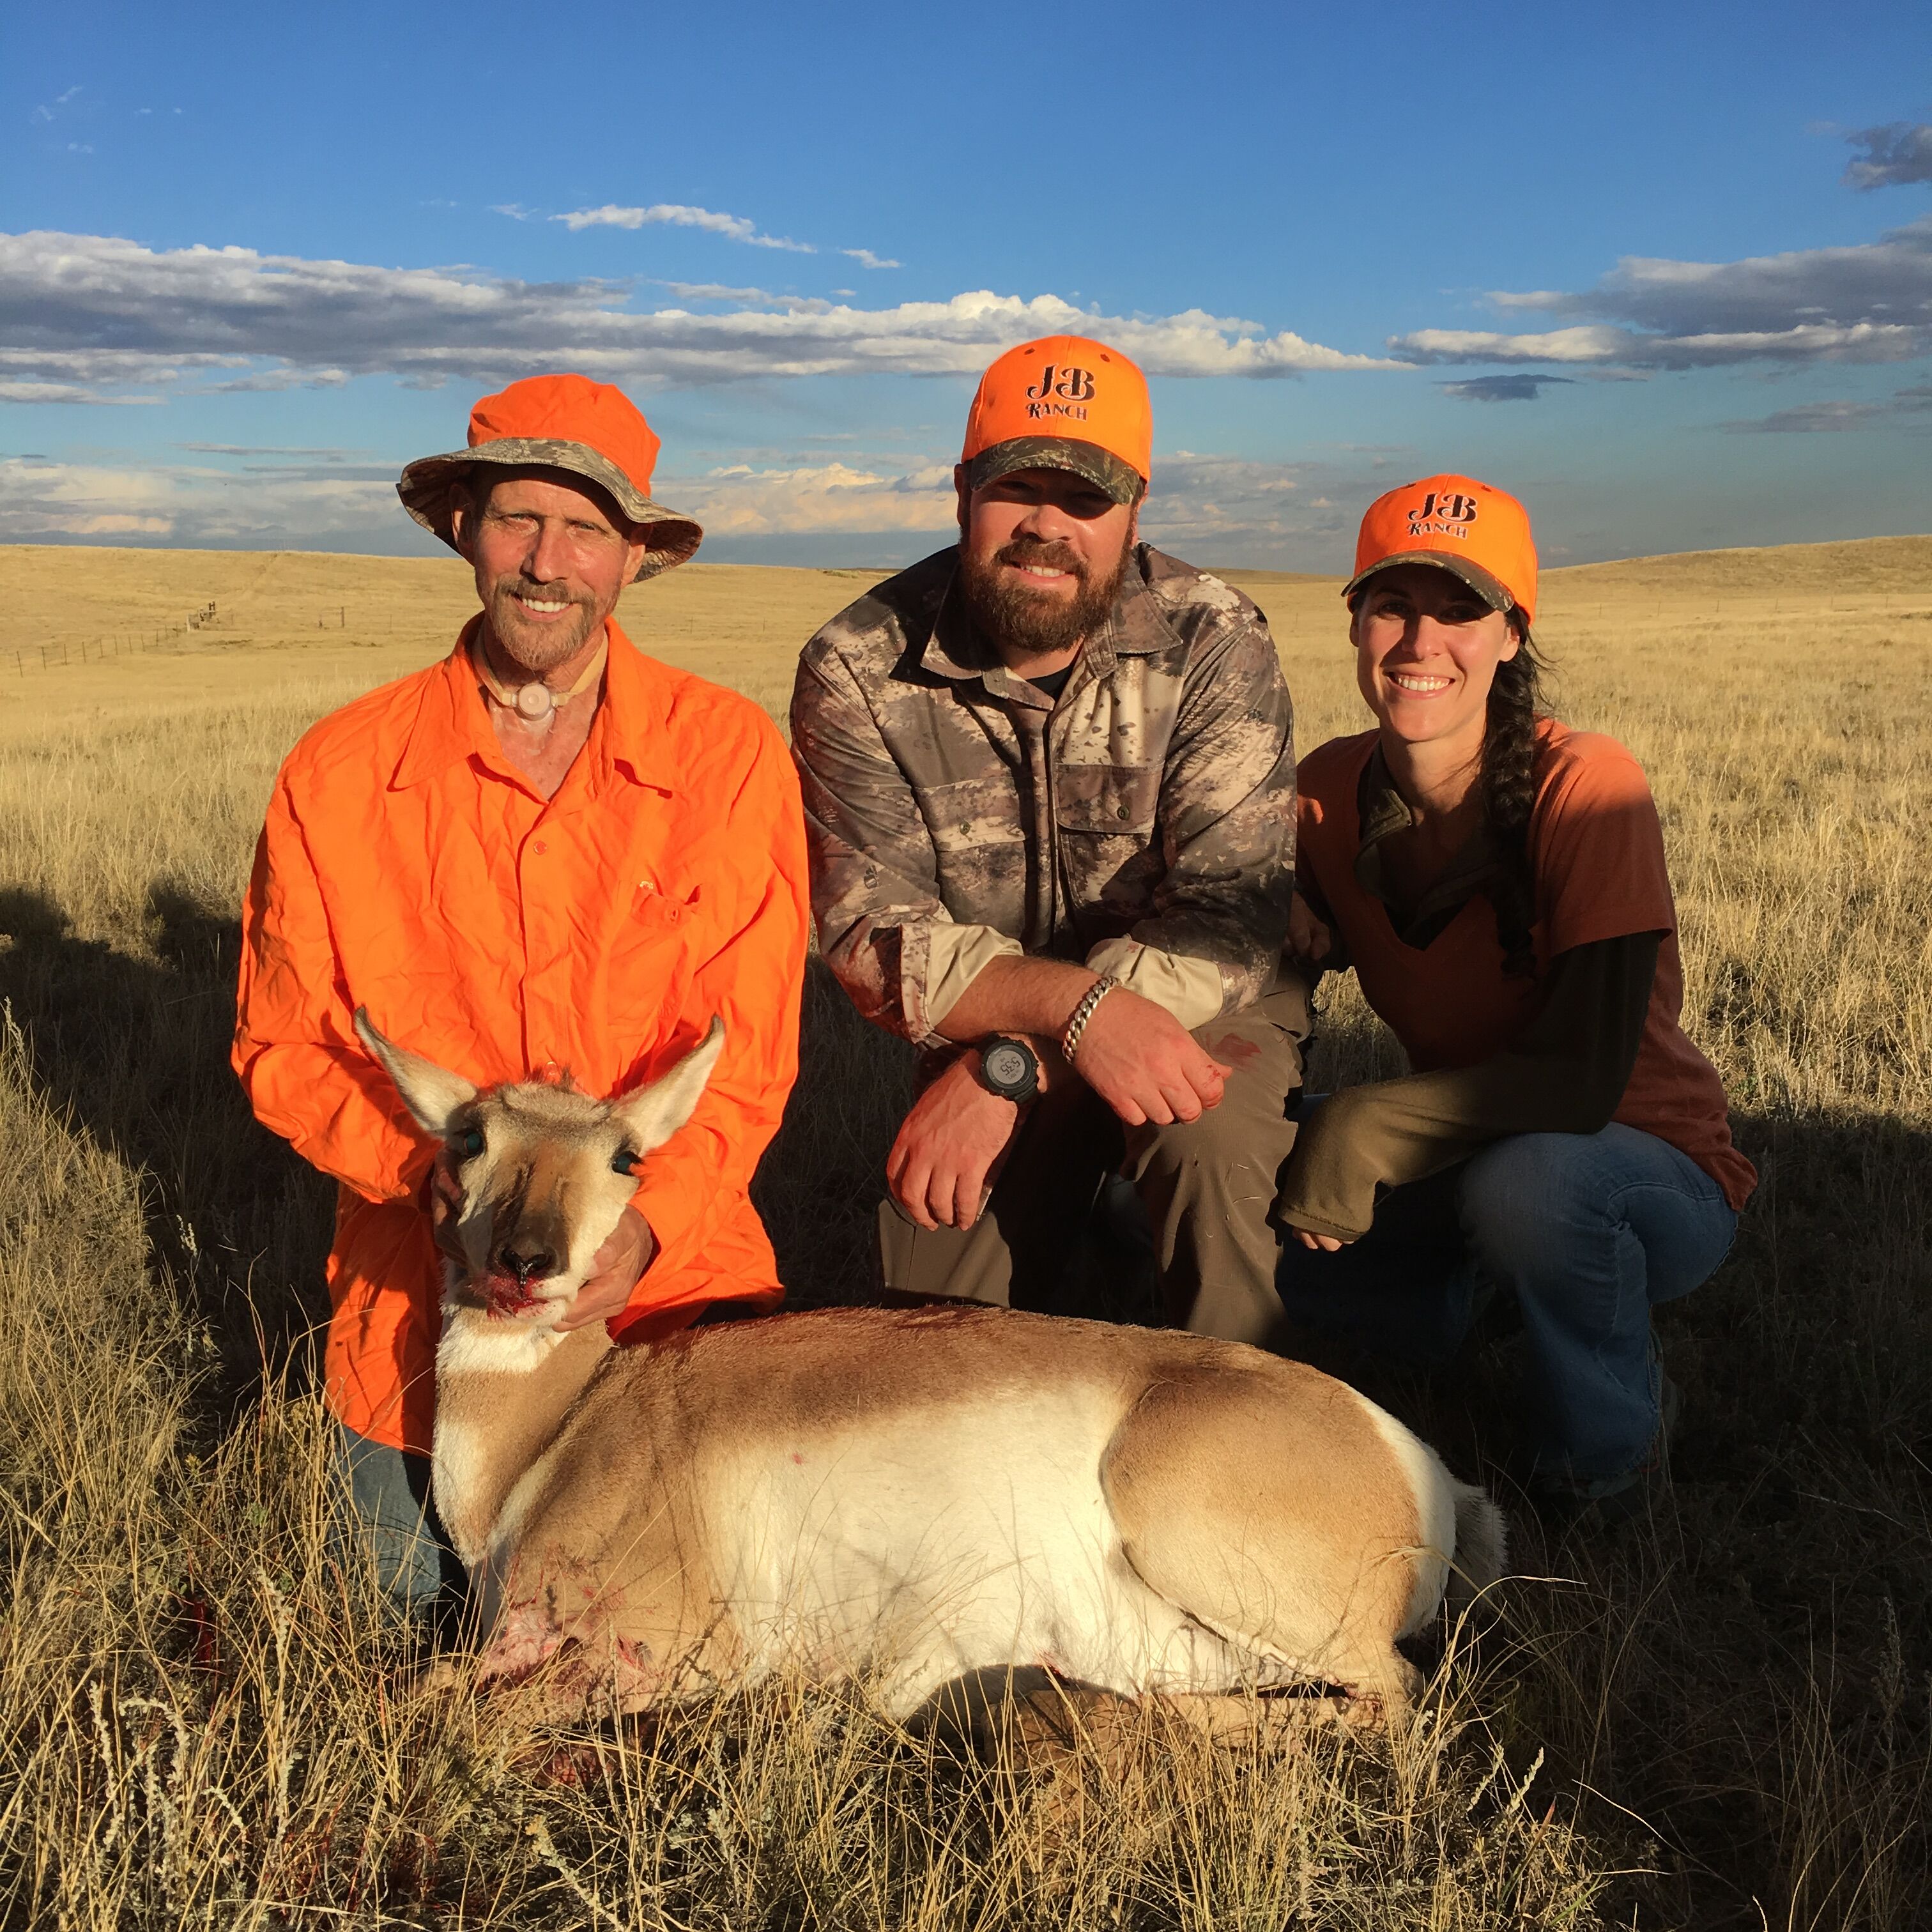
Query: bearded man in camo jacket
point(1049, 792)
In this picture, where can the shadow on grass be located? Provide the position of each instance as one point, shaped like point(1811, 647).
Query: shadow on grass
point(135, 1050)
point(134, 1047)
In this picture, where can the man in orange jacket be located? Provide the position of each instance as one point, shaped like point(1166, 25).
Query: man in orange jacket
point(547, 852)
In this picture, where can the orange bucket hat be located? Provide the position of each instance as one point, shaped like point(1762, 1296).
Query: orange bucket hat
point(1065, 402)
point(1474, 532)
point(560, 422)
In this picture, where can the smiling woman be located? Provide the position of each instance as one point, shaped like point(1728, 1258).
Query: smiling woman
point(1497, 882)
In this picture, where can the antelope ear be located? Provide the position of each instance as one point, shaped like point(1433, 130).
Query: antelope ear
point(431, 1093)
point(654, 1113)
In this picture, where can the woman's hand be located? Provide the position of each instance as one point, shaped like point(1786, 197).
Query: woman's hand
point(1326, 1244)
point(1309, 940)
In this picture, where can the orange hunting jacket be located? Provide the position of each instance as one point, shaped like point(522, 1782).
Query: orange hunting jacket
point(407, 866)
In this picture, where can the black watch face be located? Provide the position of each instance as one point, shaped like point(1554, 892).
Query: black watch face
point(1008, 1067)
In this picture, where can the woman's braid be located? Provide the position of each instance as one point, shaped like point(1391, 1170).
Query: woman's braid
point(1509, 794)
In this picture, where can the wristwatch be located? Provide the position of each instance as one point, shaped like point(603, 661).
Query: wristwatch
point(1009, 1068)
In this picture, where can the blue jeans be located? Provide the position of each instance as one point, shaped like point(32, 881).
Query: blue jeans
point(384, 1514)
point(1588, 1232)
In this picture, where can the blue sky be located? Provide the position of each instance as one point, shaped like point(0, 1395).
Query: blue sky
point(1665, 271)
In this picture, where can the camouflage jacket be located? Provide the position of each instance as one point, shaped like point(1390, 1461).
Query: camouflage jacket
point(1144, 823)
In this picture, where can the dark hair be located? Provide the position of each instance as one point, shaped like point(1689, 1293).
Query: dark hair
point(1509, 792)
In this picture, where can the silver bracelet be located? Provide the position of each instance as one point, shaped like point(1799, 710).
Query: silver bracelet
point(1069, 1041)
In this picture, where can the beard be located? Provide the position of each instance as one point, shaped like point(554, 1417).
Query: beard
point(538, 648)
point(1023, 622)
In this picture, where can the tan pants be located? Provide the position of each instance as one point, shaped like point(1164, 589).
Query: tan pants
point(1207, 1186)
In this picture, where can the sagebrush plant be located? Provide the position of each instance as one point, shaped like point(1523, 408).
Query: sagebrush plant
point(1719, 1717)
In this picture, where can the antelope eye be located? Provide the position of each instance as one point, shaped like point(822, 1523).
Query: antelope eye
point(470, 1143)
point(624, 1161)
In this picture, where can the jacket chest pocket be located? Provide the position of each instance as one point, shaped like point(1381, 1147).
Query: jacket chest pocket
point(1105, 818)
point(651, 960)
point(1119, 800)
point(972, 814)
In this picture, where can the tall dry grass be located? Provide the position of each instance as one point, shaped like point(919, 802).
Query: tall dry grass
point(1719, 1717)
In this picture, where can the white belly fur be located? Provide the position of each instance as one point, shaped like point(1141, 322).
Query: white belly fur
point(915, 1560)
point(1434, 1491)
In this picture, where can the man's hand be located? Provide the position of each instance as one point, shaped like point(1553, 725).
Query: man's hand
point(946, 1146)
point(1325, 1244)
point(1144, 1063)
point(444, 1193)
point(1309, 940)
point(615, 1269)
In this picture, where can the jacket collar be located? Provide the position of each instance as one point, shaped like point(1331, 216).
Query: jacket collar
point(1136, 627)
point(629, 738)
point(1382, 811)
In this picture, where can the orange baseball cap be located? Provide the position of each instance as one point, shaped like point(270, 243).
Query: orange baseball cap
point(1478, 533)
point(1063, 402)
point(559, 422)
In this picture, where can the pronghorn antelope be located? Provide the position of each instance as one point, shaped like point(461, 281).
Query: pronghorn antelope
point(907, 1497)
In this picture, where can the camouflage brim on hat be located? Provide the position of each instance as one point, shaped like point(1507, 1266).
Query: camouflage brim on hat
point(1478, 579)
point(670, 538)
point(1100, 467)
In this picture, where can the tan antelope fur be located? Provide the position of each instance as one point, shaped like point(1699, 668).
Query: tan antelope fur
point(904, 1497)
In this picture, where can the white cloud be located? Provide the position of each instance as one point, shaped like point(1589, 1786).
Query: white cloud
point(734, 227)
point(197, 506)
point(1231, 506)
point(1488, 345)
point(1867, 302)
point(272, 381)
point(720, 291)
point(866, 258)
point(1232, 511)
point(1220, 507)
point(739, 500)
point(330, 452)
point(64, 392)
point(48, 109)
point(80, 307)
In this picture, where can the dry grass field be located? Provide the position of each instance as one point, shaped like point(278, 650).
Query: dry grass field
point(1719, 1717)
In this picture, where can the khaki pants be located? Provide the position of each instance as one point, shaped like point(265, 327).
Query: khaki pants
point(1207, 1186)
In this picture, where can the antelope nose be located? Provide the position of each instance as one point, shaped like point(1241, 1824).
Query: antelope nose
point(526, 1262)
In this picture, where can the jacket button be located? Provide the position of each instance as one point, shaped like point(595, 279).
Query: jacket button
point(1119, 812)
point(541, 846)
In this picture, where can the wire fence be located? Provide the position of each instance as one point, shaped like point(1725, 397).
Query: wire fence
point(114, 644)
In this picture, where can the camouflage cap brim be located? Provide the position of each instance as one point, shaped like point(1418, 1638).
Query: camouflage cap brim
point(670, 538)
point(1478, 579)
point(1100, 467)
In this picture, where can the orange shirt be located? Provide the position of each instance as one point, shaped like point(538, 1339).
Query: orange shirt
point(406, 865)
point(1596, 853)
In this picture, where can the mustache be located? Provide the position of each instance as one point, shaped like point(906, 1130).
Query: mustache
point(1048, 554)
point(547, 593)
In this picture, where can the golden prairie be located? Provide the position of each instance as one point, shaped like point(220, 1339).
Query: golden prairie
point(1721, 1716)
